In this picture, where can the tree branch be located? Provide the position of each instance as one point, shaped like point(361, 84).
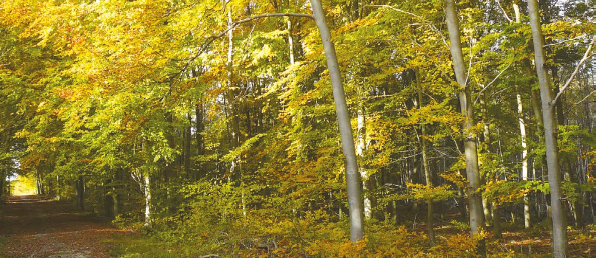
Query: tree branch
point(587, 55)
point(491, 82)
point(504, 12)
point(235, 24)
point(584, 99)
point(563, 41)
point(416, 16)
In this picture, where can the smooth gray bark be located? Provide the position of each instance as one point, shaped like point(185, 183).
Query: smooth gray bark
point(427, 174)
point(486, 205)
point(470, 148)
point(360, 147)
point(493, 206)
point(345, 128)
point(147, 188)
point(552, 152)
point(290, 41)
point(199, 130)
point(80, 191)
point(525, 172)
point(522, 129)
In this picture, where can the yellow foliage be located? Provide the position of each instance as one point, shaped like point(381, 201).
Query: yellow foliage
point(24, 185)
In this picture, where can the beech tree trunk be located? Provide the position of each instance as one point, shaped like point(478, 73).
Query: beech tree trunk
point(199, 130)
point(116, 192)
point(522, 129)
point(187, 144)
point(486, 205)
point(80, 191)
point(360, 147)
point(290, 41)
point(345, 128)
point(470, 148)
point(427, 174)
point(147, 186)
point(552, 152)
point(525, 173)
point(493, 207)
point(2, 180)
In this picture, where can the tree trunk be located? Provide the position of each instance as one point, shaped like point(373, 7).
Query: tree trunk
point(39, 181)
point(116, 192)
point(2, 180)
point(486, 205)
point(147, 186)
point(187, 144)
point(199, 129)
point(497, 221)
point(360, 147)
point(427, 173)
point(471, 153)
point(345, 128)
point(522, 129)
point(80, 190)
point(552, 152)
point(108, 201)
point(290, 41)
point(525, 173)
point(490, 208)
point(462, 204)
point(576, 207)
point(58, 188)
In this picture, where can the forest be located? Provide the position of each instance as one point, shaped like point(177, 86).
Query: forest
point(309, 128)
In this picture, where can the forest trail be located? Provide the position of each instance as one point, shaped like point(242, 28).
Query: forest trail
point(32, 226)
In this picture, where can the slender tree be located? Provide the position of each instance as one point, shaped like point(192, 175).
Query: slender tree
point(552, 151)
point(470, 148)
point(523, 136)
point(345, 128)
point(427, 173)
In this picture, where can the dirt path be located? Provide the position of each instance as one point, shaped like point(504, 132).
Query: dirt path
point(36, 227)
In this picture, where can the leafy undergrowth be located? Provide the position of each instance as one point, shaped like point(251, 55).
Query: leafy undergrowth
point(537, 242)
point(212, 221)
point(140, 246)
point(299, 238)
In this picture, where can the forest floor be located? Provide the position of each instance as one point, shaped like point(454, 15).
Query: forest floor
point(32, 226)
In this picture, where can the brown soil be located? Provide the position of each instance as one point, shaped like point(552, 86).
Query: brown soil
point(36, 227)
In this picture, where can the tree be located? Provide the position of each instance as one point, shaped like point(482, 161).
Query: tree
point(471, 153)
point(345, 128)
point(552, 153)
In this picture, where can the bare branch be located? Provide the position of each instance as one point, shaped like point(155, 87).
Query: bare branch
point(470, 63)
point(491, 82)
point(584, 99)
point(587, 55)
point(235, 24)
point(504, 12)
point(416, 16)
point(563, 41)
point(397, 10)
